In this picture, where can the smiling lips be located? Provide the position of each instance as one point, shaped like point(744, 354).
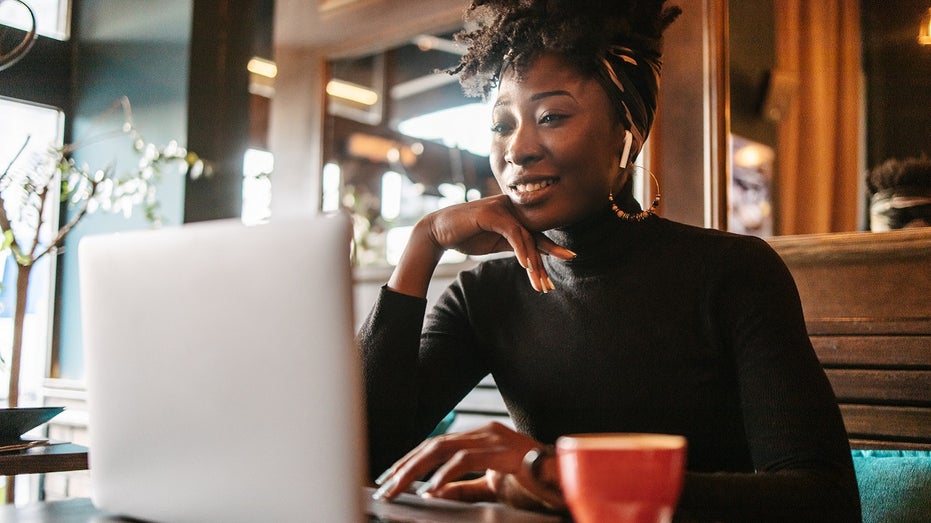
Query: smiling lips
point(525, 188)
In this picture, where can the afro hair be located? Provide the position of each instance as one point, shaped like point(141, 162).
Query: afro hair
point(514, 32)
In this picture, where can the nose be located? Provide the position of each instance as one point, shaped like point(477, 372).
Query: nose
point(523, 146)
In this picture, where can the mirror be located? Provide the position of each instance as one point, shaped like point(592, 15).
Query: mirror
point(890, 119)
point(896, 72)
point(401, 140)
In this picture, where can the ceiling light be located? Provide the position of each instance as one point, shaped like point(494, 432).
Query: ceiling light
point(378, 149)
point(435, 43)
point(924, 32)
point(351, 92)
point(262, 67)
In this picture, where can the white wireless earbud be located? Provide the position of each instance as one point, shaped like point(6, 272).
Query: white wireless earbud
point(628, 141)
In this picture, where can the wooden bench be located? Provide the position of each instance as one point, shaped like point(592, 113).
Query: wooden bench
point(867, 302)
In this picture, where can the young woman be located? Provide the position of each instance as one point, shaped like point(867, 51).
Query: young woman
point(607, 318)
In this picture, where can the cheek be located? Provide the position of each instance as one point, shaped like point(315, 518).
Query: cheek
point(497, 163)
point(601, 158)
point(593, 157)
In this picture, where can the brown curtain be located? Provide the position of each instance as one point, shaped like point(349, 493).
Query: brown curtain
point(818, 44)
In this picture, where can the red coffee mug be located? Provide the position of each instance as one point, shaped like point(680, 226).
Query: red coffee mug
point(622, 478)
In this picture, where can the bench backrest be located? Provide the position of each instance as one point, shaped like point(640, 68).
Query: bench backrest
point(867, 302)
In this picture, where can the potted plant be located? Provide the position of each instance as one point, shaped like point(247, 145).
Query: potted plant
point(28, 187)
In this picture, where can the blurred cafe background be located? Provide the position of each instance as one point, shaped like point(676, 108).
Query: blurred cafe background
point(772, 114)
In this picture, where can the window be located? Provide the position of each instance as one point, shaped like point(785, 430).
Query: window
point(44, 127)
point(52, 16)
point(256, 186)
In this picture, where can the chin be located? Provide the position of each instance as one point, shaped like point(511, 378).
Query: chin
point(538, 220)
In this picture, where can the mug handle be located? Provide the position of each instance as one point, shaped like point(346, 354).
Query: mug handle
point(8, 59)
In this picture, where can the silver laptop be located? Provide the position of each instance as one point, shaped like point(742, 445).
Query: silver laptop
point(223, 381)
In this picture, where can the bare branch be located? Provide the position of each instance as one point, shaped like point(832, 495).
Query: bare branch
point(5, 223)
point(43, 193)
point(65, 229)
point(15, 157)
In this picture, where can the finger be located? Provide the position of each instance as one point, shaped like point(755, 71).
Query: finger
point(543, 280)
point(425, 457)
point(525, 249)
point(533, 275)
point(491, 446)
point(551, 248)
point(465, 461)
point(472, 491)
point(393, 469)
point(504, 221)
point(392, 482)
point(536, 271)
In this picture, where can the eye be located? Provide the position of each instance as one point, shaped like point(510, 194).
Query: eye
point(550, 118)
point(500, 128)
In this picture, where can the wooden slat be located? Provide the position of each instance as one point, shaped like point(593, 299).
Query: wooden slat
point(872, 444)
point(877, 422)
point(887, 387)
point(464, 422)
point(483, 400)
point(868, 326)
point(865, 247)
point(865, 277)
point(874, 351)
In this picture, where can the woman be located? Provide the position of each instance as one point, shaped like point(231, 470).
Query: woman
point(629, 323)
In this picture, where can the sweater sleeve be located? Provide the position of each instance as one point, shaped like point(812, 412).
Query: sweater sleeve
point(413, 376)
point(798, 444)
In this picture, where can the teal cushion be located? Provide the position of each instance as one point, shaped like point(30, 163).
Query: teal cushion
point(895, 485)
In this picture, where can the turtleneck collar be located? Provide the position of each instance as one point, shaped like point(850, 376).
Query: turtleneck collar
point(602, 238)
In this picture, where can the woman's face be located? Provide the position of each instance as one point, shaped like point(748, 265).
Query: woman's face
point(556, 144)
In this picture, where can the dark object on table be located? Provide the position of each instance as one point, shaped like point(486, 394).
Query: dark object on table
point(14, 422)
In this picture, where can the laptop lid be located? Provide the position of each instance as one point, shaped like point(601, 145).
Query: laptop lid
point(223, 382)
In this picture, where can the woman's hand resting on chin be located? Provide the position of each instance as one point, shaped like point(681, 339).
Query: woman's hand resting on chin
point(484, 226)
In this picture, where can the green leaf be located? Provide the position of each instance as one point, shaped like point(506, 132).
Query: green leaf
point(7, 240)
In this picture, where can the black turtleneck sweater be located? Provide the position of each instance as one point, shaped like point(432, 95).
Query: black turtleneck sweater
point(654, 327)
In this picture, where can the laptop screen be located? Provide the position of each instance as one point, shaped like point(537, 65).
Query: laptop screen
point(223, 382)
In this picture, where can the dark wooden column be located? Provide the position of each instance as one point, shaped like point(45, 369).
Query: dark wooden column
point(223, 39)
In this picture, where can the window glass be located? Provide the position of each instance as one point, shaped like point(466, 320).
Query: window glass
point(256, 186)
point(52, 16)
point(43, 126)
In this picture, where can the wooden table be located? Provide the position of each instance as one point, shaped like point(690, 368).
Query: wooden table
point(409, 509)
point(59, 457)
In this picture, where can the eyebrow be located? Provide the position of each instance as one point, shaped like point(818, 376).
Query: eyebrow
point(539, 96)
point(547, 94)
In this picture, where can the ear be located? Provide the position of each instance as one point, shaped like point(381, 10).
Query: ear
point(625, 154)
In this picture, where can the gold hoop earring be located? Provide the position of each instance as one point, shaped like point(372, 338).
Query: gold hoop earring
point(642, 215)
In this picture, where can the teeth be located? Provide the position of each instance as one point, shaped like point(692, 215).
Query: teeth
point(531, 187)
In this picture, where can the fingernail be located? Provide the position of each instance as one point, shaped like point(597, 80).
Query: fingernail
point(384, 475)
point(425, 489)
point(572, 253)
point(380, 493)
point(550, 283)
point(529, 265)
point(533, 282)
